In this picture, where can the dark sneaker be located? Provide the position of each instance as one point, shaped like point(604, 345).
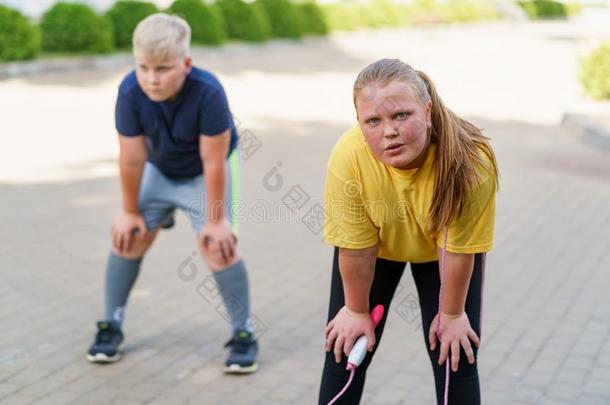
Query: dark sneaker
point(168, 223)
point(106, 348)
point(242, 358)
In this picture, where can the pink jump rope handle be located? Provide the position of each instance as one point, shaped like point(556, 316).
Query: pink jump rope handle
point(358, 352)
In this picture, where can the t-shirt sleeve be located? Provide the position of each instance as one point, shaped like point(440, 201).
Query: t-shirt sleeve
point(346, 222)
point(126, 117)
point(473, 230)
point(215, 116)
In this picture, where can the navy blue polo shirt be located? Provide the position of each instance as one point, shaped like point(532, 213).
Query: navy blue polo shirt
point(173, 128)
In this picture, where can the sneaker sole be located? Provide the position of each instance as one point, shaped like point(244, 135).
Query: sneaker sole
point(101, 358)
point(237, 369)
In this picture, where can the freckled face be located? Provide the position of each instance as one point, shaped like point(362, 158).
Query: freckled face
point(394, 123)
point(161, 78)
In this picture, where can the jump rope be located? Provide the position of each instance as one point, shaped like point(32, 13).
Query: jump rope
point(358, 352)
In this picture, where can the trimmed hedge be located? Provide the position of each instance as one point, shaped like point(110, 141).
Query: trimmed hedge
point(595, 73)
point(313, 21)
point(465, 11)
point(207, 24)
point(375, 14)
point(71, 27)
point(246, 22)
point(284, 18)
point(343, 17)
point(385, 13)
point(220, 18)
point(540, 9)
point(125, 15)
point(19, 40)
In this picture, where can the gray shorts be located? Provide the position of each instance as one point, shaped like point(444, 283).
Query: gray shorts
point(160, 196)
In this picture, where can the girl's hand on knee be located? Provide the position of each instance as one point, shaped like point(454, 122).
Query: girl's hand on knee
point(345, 328)
point(454, 332)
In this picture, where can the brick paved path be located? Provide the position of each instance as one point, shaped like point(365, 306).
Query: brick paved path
point(547, 316)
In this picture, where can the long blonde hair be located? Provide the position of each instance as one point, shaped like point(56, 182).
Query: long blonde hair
point(459, 141)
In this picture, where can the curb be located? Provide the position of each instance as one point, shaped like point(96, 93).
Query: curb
point(594, 131)
point(64, 64)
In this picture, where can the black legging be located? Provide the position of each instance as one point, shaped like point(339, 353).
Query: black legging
point(463, 384)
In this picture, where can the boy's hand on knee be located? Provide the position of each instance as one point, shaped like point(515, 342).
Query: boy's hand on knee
point(125, 227)
point(218, 241)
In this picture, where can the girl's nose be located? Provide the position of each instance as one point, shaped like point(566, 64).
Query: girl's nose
point(390, 131)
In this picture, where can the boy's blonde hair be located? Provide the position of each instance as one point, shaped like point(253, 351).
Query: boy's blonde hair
point(162, 36)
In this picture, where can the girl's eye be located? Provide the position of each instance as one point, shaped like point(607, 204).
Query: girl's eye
point(401, 115)
point(373, 121)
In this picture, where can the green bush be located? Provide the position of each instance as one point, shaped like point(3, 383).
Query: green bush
point(18, 38)
point(69, 27)
point(125, 15)
point(595, 73)
point(466, 10)
point(246, 22)
point(220, 18)
point(343, 17)
point(573, 9)
point(382, 13)
point(207, 25)
point(283, 17)
point(529, 8)
point(313, 21)
point(537, 9)
point(375, 14)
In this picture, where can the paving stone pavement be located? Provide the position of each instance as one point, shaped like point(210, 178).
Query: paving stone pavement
point(546, 327)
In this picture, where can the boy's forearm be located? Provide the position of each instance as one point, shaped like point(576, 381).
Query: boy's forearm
point(458, 271)
point(215, 178)
point(357, 269)
point(131, 176)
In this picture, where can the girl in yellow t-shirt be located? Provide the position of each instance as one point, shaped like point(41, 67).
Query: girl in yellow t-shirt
point(413, 183)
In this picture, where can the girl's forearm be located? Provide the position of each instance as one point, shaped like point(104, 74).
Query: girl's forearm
point(357, 267)
point(458, 271)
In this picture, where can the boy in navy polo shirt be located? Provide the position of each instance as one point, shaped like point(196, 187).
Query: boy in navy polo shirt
point(177, 143)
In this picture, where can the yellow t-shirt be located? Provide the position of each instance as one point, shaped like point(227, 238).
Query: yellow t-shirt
point(368, 202)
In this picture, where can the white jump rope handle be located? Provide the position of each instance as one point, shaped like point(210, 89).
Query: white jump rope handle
point(356, 355)
point(360, 348)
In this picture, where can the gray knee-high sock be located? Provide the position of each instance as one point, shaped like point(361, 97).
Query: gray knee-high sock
point(121, 273)
point(233, 285)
